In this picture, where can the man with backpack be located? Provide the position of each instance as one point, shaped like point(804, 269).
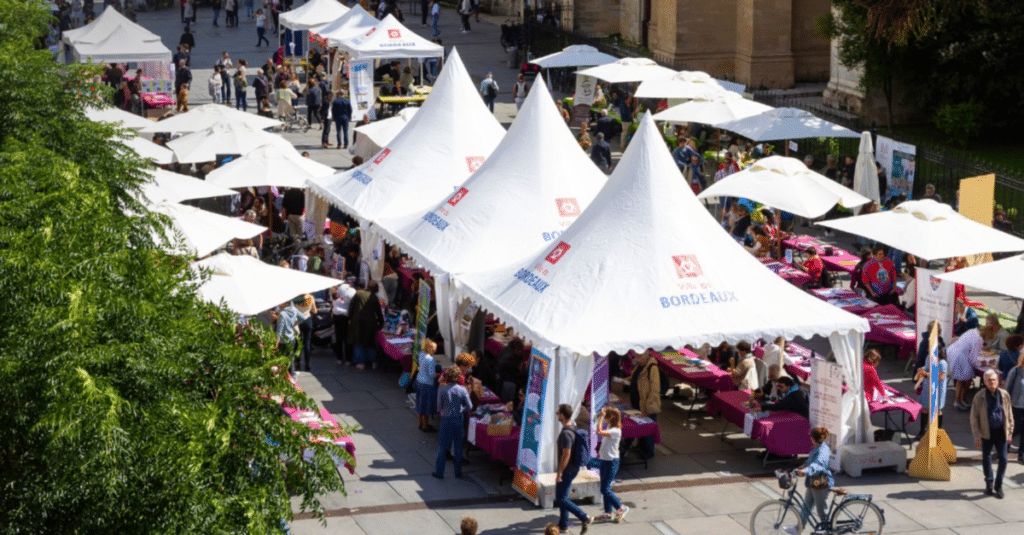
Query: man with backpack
point(573, 452)
point(489, 89)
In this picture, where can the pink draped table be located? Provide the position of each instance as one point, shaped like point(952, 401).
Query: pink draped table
point(894, 401)
point(845, 299)
point(839, 260)
point(797, 360)
point(687, 367)
point(158, 100)
point(398, 351)
point(789, 273)
point(890, 325)
point(324, 422)
point(781, 432)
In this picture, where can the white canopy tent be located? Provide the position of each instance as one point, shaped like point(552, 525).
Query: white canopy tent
point(506, 212)
point(376, 135)
point(168, 187)
point(149, 150)
point(390, 39)
point(721, 108)
point(785, 123)
point(1002, 276)
point(125, 44)
point(247, 286)
point(100, 28)
point(865, 175)
point(198, 232)
point(629, 70)
point(574, 56)
point(647, 242)
point(230, 138)
point(684, 84)
point(203, 117)
point(356, 21)
point(312, 14)
point(786, 184)
point(929, 230)
point(269, 165)
point(117, 117)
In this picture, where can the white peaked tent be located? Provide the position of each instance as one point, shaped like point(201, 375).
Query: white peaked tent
point(646, 266)
point(865, 175)
point(356, 22)
point(101, 27)
point(448, 140)
point(269, 165)
point(507, 211)
point(629, 70)
point(930, 230)
point(168, 187)
point(149, 150)
point(224, 138)
point(117, 117)
point(247, 286)
point(123, 45)
point(207, 115)
point(1002, 276)
point(390, 39)
point(684, 84)
point(374, 136)
point(574, 56)
point(198, 232)
point(312, 13)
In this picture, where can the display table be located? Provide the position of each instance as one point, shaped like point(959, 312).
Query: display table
point(890, 325)
point(845, 299)
point(327, 429)
point(687, 367)
point(789, 273)
point(782, 432)
point(158, 100)
point(839, 261)
point(895, 403)
point(398, 347)
point(797, 360)
point(503, 448)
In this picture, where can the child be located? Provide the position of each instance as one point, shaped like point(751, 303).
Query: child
point(426, 387)
point(609, 427)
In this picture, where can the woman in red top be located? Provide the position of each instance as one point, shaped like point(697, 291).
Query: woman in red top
point(813, 266)
point(873, 387)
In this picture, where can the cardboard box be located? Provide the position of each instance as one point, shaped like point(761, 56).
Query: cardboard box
point(499, 430)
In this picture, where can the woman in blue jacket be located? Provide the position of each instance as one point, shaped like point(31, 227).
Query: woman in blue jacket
point(817, 468)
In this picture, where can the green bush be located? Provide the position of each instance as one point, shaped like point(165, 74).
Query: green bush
point(961, 122)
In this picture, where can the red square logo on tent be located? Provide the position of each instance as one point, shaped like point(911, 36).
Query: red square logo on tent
point(395, 34)
point(568, 207)
point(558, 252)
point(380, 157)
point(474, 163)
point(369, 33)
point(687, 266)
point(458, 196)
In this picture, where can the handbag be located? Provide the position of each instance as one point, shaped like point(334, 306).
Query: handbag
point(819, 482)
point(404, 380)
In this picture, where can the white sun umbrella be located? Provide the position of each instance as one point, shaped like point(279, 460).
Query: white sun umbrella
point(376, 135)
point(199, 232)
point(118, 117)
point(721, 108)
point(929, 230)
point(269, 165)
point(574, 56)
point(783, 124)
point(628, 70)
point(247, 286)
point(780, 182)
point(149, 150)
point(231, 138)
point(168, 187)
point(683, 84)
point(207, 115)
point(1002, 276)
point(865, 175)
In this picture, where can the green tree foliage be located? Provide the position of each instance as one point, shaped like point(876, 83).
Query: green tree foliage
point(129, 406)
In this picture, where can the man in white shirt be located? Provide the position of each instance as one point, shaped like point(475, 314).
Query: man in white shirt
point(343, 295)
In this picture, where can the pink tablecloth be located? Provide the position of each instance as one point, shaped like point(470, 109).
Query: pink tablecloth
point(158, 100)
point(789, 273)
point(331, 430)
point(405, 277)
point(503, 449)
point(797, 360)
point(781, 432)
point(839, 260)
point(889, 325)
point(399, 352)
point(910, 406)
point(710, 377)
point(845, 299)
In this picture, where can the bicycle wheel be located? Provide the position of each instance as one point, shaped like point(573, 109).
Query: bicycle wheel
point(776, 517)
point(858, 516)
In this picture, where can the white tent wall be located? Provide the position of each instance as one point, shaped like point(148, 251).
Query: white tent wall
point(848, 349)
point(567, 383)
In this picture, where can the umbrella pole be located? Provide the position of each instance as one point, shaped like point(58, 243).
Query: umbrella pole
point(787, 148)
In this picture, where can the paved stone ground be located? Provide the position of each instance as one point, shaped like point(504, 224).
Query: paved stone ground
point(697, 483)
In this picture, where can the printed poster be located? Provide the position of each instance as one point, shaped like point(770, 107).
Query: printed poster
point(827, 399)
point(898, 161)
point(934, 302)
point(936, 384)
point(360, 77)
point(586, 90)
point(525, 478)
point(598, 397)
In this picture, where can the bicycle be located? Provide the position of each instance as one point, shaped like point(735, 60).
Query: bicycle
point(854, 514)
point(292, 123)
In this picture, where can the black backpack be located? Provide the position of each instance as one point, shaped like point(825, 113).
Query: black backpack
point(580, 453)
point(492, 90)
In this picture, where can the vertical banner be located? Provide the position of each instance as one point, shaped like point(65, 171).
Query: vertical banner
point(360, 83)
point(827, 399)
point(977, 202)
point(936, 384)
point(598, 397)
point(527, 463)
point(934, 303)
point(586, 90)
point(422, 319)
point(897, 160)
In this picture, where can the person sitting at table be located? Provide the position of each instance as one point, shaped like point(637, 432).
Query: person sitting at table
point(763, 246)
point(644, 396)
point(722, 355)
point(486, 371)
point(873, 387)
point(813, 266)
point(407, 79)
point(1008, 357)
point(964, 318)
point(793, 398)
point(741, 222)
point(741, 367)
point(774, 351)
point(879, 276)
point(963, 363)
point(510, 363)
point(924, 396)
point(856, 282)
point(770, 388)
point(994, 334)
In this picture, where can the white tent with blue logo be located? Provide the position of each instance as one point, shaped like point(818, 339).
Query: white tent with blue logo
point(390, 39)
point(534, 185)
point(646, 266)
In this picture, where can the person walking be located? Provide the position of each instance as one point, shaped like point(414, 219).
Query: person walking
point(465, 10)
point(365, 319)
point(426, 386)
point(240, 88)
point(570, 456)
point(992, 427)
point(341, 110)
point(1015, 387)
point(609, 428)
point(453, 404)
point(435, 18)
point(286, 327)
point(325, 117)
point(489, 89)
point(231, 13)
point(519, 91)
point(601, 154)
point(261, 28)
point(819, 477)
point(343, 296)
point(314, 99)
point(217, 4)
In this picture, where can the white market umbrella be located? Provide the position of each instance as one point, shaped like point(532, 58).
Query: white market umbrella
point(207, 115)
point(780, 182)
point(683, 84)
point(628, 70)
point(1002, 276)
point(574, 56)
point(248, 286)
point(168, 187)
point(269, 165)
point(722, 108)
point(117, 117)
point(200, 232)
point(149, 150)
point(929, 230)
point(312, 13)
point(205, 145)
point(783, 124)
point(865, 175)
point(376, 135)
